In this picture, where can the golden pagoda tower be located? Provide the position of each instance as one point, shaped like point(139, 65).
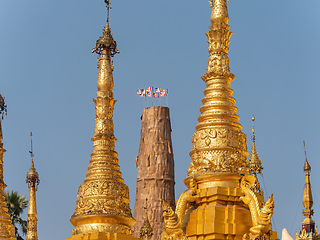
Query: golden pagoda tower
point(219, 202)
point(7, 230)
point(308, 225)
point(103, 206)
point(33, 181)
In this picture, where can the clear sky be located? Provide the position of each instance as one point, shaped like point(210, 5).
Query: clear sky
point(48, 77)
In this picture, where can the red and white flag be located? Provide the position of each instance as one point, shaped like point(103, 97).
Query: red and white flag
point(158, 90)
point(149, 89)
point(164, 93)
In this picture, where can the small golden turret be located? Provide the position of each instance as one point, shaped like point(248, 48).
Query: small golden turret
point(103, 206)
point(146, 230)
point(307, 223)
point(7, 230)
point(254, 162)
point(33, 181)
point(309, 231)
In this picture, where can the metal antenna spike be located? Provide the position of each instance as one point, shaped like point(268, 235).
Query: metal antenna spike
point(31, 152)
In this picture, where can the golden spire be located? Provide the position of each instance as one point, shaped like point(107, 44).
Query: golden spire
point(7, 230)
point(33, 181)
point(218, 142)
point(254, 162)
point(146, 230)
point(307, 223)
point(103, 204)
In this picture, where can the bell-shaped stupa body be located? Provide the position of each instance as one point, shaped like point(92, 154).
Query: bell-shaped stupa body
point(155, 169)
point(103, 206)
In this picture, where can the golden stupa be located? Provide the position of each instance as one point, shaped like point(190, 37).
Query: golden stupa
point(221, 201)
point(103, 206)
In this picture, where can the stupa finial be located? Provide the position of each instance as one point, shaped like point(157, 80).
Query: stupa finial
point(106, 43)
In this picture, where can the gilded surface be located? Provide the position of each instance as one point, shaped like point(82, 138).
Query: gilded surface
point(261, 218)
point(172, 225)
point(218, 142)
point(7, 230)
point(146, 230)
point(103, 203)
point(186, 200)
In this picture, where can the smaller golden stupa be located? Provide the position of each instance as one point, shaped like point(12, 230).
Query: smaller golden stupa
point(7, 230)
point(308, 225)
point(33, 181)
point(146, 230)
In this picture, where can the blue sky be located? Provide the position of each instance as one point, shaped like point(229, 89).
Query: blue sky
point(48, 77)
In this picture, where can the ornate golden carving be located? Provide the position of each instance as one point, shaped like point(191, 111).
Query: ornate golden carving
point(101, 227)
point(172, 226)
point(261, 218)
point(186, 200)
point(218, 142)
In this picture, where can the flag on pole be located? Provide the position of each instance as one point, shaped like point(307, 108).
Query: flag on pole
point(139, 92)
point(149, 94)
point(164, 93)
point(149, 89)
point(156, 95)
point(158, 90)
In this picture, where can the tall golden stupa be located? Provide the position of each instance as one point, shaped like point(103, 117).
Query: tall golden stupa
point(222, 201)
point(103, 206)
